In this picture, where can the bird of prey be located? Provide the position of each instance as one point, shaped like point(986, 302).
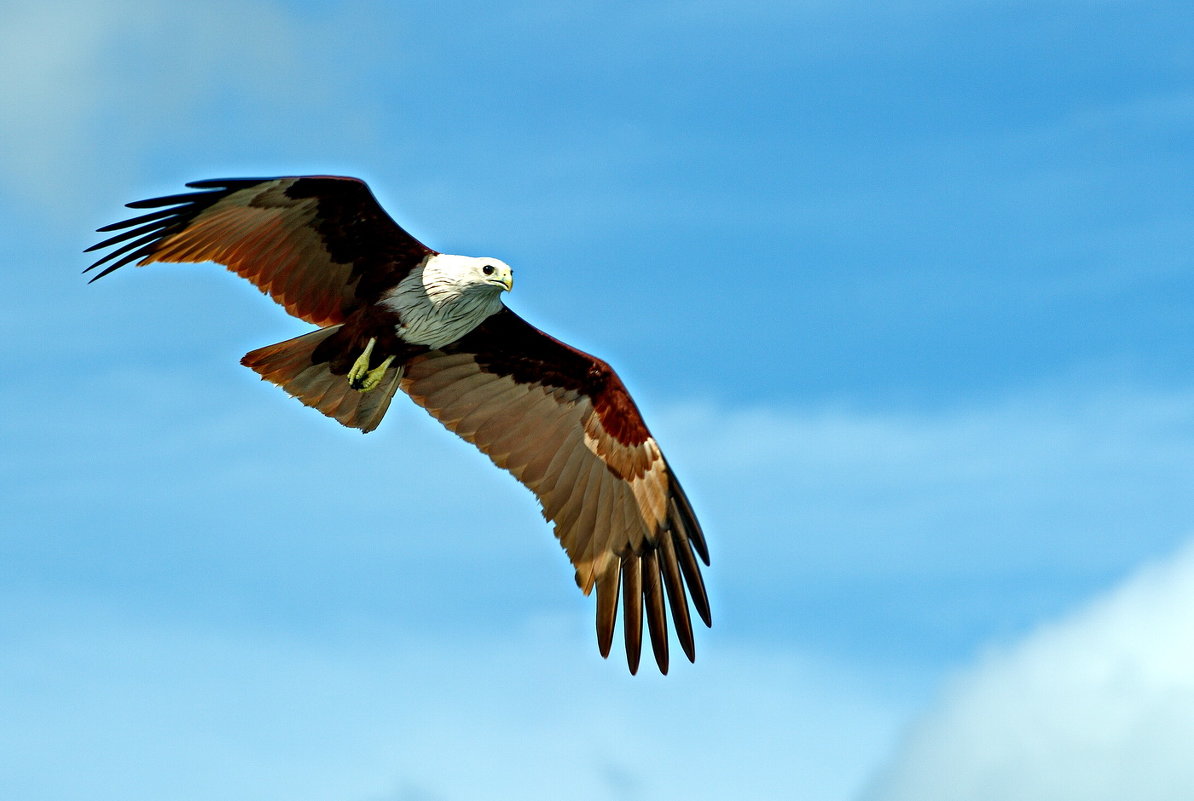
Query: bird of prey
point(391, 313)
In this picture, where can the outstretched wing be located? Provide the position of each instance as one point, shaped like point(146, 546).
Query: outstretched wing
point(562, 422)
point(318, 245)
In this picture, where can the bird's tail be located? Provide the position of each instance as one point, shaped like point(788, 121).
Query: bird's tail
point(290, 365)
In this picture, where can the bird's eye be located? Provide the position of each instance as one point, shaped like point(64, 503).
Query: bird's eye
point(487, 269)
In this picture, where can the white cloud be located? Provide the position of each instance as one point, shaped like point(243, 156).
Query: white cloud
point(1096, 707)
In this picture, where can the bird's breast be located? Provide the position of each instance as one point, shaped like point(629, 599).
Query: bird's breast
point(436, 322)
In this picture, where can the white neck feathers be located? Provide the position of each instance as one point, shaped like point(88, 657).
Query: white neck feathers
point(441, 300)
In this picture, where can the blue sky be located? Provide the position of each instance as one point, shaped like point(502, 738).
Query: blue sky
point(905, 293)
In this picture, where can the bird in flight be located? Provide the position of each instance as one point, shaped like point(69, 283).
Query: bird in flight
point(391, 313)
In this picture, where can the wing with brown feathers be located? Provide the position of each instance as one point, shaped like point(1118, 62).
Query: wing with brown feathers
point(317, 245)
point(563, 424)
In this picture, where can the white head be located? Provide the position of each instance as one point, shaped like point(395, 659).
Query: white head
point(446, 278)
point(448, 296)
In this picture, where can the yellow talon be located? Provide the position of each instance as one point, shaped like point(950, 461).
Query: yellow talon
point(373, 378)
point(360, 377)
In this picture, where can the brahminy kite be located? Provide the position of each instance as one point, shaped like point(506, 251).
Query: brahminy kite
point(394, 314)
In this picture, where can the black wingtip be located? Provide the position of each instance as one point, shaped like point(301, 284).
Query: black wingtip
point(608, 585)
point(227, 183)
point(653, 598)
point(632, 609)
point(669, 568)
point(682, 546)
point(172, 213)
point(144, 218)
point(166, 200)
point(695, 534)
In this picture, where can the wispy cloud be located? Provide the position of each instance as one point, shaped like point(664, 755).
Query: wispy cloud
point(1059, 476)
point(1096, 706)
point(869, 273)
point(924, 533)
point(830, 519)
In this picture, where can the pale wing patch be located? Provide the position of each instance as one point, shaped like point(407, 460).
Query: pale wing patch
point(539, 433)
point(616, 508)
point(641, 465)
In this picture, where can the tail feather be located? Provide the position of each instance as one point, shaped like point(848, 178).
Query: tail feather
point(289, 365)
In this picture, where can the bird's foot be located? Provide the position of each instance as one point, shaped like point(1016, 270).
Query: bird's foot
point(360, 377)
point(372, 379)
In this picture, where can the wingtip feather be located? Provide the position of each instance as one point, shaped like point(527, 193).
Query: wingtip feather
point(607, 607)
point(677, 599)
point(656, 616)
point(632, 609)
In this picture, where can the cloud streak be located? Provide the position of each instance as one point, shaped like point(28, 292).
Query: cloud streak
point(832, 520)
